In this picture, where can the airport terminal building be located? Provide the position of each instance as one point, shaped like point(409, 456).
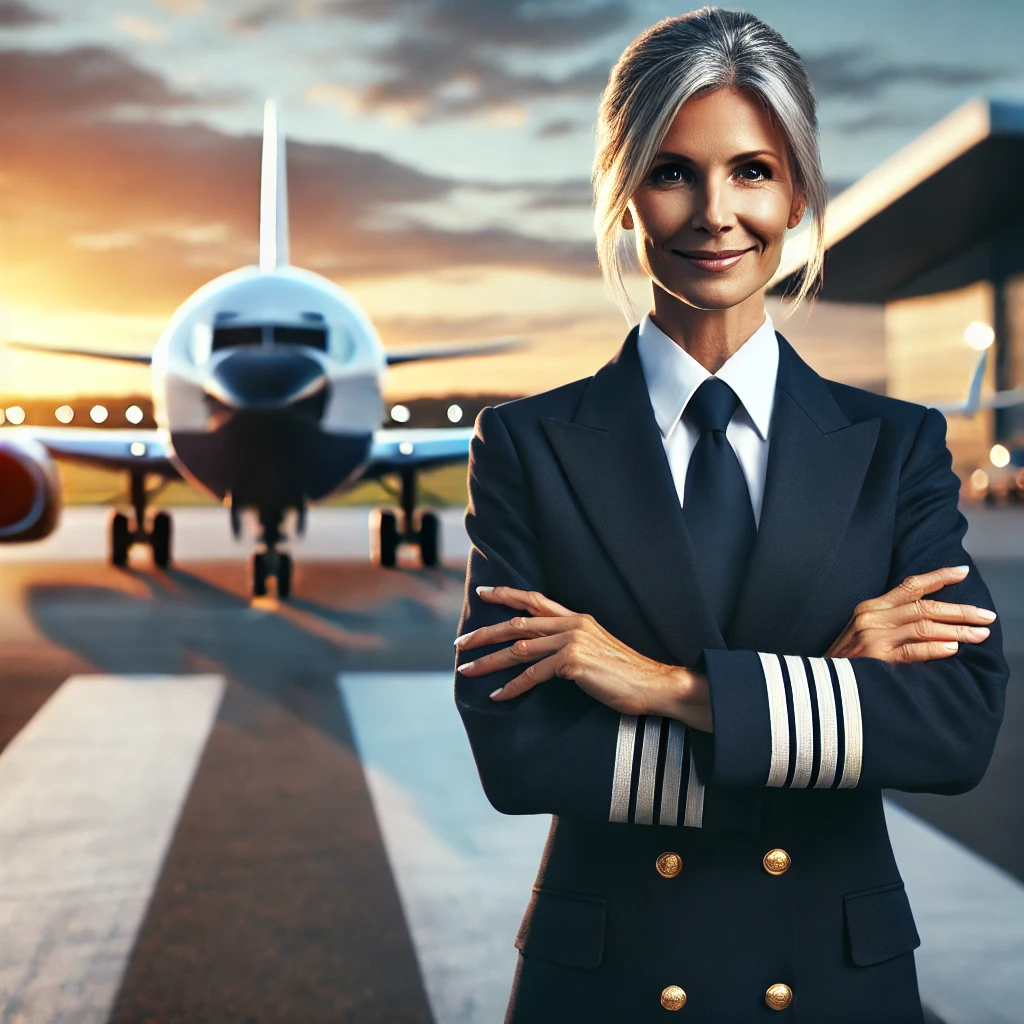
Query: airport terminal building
point(933, 236)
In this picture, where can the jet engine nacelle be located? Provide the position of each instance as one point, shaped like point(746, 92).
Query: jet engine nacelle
point(30, 496)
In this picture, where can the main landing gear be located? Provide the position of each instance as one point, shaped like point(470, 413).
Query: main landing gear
point(385, 535)
point(267, 562)
point(123, 534)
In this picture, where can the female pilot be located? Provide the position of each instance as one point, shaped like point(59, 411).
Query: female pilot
point(696, 627)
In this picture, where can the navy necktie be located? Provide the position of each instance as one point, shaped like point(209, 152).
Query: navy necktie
point(716, 500)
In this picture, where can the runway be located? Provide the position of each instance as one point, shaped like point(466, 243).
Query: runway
point(212, 810)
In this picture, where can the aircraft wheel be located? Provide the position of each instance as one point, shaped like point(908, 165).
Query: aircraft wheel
point(429, 538)
point(160, 539)
point(258, 573)
point(120, 539)
point(284, 576)
point(388, 538)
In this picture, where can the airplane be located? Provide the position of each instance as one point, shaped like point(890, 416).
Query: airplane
point(267, 388)
point(974, 402)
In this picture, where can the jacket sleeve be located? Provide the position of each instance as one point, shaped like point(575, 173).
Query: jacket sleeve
point(553, 749)
point(839, 723)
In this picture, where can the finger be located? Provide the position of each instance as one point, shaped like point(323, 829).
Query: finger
point(926, 630)
point(926, 652)
point(528, 600)
point(522, 651)
point(913, 588)
point(938, 611)
point(512, 629)
point(538, 672)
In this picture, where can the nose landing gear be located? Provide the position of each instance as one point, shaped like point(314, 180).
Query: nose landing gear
point(267, 562)
point(385, 535)
point(124, 534)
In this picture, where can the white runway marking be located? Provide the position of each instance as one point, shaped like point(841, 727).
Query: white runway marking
point(463, 870)
point(970, 916)
point(204, 534)
point(90, 792)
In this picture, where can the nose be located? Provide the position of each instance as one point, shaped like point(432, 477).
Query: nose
point(261, 379)
point(709, 212)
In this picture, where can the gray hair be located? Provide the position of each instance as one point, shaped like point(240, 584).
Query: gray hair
point(657, 73)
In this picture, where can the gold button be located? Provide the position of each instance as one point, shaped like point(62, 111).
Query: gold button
point(669, 865)
point(778, 997)
point(673, 998)
point(776, 862)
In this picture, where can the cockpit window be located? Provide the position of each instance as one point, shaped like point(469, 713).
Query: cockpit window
point(314, 337)
point(230, 337)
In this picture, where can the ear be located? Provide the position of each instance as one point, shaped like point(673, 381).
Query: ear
point(796, 212)
point(627, 219)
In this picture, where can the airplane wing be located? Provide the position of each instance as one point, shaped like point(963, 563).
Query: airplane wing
point(454, 351)
point(416, 448)
point(89, 353)
point(107, 449)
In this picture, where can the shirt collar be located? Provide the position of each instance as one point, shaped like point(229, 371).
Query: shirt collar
point(673, 375)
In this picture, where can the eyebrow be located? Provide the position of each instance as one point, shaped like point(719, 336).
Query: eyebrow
point(739, 156)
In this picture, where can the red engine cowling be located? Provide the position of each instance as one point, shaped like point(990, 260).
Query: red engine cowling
point(30, 497)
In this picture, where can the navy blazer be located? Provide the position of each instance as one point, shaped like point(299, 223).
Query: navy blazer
point(721, 863)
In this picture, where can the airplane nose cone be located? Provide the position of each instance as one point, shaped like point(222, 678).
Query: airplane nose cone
point(260, 379)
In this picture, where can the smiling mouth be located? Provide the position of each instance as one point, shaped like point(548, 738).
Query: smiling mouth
point(716, 261)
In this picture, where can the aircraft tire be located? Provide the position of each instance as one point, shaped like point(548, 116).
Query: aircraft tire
point(429, 538)
point(388, 538)
point(120, 539)
point(258, 574)
point(284, 576)
point(160, 540)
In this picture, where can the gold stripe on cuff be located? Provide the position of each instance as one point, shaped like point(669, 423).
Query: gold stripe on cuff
point(693, 815)
point(779, 717)
point(648, 771)
point(622, 777)
point(803, 722)
point(669, 814)
point(852, 723)
point(827, 722)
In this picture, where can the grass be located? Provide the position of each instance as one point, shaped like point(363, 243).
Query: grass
point(439, 488)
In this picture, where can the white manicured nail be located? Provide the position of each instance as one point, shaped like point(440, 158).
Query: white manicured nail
point(484, 590)
point(496, 692)
point(468, 664)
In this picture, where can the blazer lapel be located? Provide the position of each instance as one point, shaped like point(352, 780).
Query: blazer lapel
point(614, 459)
point(817, 461)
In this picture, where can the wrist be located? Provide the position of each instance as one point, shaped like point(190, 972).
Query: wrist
point(675, 695)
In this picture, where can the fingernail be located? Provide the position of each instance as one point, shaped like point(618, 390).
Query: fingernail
point(952, 646)
point(496, 692)
point(961, 568)
point(484, 590)
point(467, 665)
point(977, 632)
point(460, 640)
point(987, 614)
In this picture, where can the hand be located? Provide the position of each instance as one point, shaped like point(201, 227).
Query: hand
point(900, 626)
point(574, 646)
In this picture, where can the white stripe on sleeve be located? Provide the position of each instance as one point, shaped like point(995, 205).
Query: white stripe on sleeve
point(802, 720)
point(622, 776)
point(779, 717)
point(827, 723)
point(852, 723)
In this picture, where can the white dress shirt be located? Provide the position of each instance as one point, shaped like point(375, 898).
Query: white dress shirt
point(673, 375)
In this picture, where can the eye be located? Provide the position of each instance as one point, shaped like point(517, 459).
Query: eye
point(668, 174)
point(761, 170)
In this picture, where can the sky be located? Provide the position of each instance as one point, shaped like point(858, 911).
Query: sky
point(438, 159)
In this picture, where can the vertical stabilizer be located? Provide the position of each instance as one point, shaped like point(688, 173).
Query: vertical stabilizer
point(974, 391)
point(273, 195)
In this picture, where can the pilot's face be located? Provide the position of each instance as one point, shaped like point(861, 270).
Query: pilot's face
point(721, 182)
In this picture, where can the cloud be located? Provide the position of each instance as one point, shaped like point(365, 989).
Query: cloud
point(138, 27)
point(857, 71)
point(562, 126)
point(102, 212)
point(874, 120)
point(180, 8)
point(14, 14)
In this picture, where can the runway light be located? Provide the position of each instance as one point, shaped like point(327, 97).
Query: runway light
point(978, 335)
point(406, 447)
point(133, 414)
point(400, 413)
point(15, 415)
point(999, 456)
point(137, 448)
point(979, 480)
point(454, 413)
point(97, 414)
point(65, 414)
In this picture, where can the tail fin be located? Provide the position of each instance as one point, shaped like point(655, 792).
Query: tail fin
point(273, 195)
point(974, 391)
